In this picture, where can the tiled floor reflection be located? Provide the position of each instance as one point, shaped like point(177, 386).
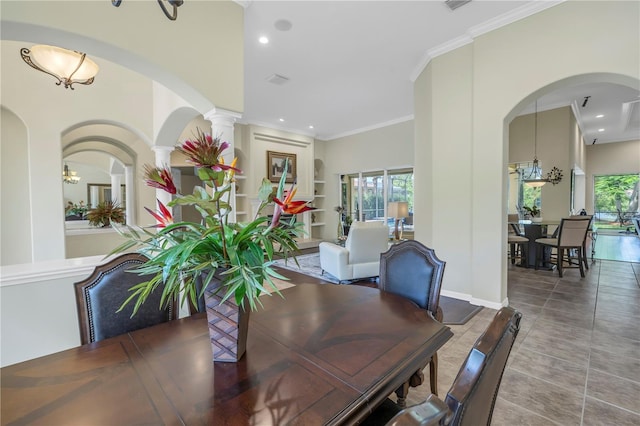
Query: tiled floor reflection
point(577, 358)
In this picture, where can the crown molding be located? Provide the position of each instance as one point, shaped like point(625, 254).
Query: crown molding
point(368, 128)
point(478, 30)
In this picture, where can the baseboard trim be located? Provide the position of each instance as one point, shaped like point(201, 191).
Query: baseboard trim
point(474, 300)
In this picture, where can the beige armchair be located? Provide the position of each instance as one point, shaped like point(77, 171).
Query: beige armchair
point(360, 256)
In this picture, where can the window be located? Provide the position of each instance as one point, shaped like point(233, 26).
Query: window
point(365, 196)
point(616, 200)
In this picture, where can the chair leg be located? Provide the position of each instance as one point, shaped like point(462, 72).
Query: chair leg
point(584, 255)
point(513, 254)
point(433, 374)
point(560, 260)
point(581, 262)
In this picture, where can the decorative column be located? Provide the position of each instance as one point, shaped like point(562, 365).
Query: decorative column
point(116, 182)
point(163, 159)
point(222, 122)
point(129, 188)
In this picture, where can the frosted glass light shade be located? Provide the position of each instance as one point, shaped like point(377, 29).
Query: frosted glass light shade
point(68, 66)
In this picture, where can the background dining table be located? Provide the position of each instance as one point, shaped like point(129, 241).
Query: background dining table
point(323, 354)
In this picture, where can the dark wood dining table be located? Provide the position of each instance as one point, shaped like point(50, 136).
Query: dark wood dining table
point(323, 354)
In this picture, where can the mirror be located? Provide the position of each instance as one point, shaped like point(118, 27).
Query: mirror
point(100, 192)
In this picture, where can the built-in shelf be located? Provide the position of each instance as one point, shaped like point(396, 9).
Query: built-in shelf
point(319, 182)
point(318, 224)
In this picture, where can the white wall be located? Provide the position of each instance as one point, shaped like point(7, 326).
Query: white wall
point(504, 71)
point(15, 205)
point(38, 308)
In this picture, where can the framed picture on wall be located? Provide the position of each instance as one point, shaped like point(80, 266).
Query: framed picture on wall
point(275, 166)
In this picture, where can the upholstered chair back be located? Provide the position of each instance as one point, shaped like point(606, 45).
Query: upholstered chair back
point(412, 270)
point(573, 231)
point(100, 296)
point(472, 396)
point(473, 393)
point(366, 241)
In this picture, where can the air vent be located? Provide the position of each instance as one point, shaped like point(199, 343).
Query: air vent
point(454, 4)
point(277, 79)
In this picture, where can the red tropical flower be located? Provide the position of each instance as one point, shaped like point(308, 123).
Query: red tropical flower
point(163, 216)
point(292, 207)
point(206, 151)
point(157, 177)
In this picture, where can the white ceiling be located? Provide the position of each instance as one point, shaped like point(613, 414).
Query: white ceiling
point(350, 64)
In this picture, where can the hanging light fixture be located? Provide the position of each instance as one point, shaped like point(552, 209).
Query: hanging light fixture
point(534, 178)
point(68, 66)
point(172, 16)
point(69, 176)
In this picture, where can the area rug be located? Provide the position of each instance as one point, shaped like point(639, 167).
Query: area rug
point(309, 264)
point(456, 312)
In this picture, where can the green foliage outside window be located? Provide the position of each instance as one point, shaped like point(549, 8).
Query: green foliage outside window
point(617, 194)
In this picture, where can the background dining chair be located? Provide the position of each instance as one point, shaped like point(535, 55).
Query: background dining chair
point(517, 241)
point(99, 297)
point(572, 235)
point(589, 235)
point(472, 396)
point(412, 270)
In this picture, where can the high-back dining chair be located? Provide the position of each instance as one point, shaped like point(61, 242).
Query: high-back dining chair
point(412, 270)
point(572, 235)
point(589, 235)
point(472, 396)
point(99, 297)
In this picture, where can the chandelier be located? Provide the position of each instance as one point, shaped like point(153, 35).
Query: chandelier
point(172, 16)
point(67, 66)
point(69, 176)
point(535, 178)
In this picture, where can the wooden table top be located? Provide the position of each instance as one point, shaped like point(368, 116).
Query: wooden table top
point(326, 354)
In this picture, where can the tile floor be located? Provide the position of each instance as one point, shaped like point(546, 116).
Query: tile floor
point(576, 360)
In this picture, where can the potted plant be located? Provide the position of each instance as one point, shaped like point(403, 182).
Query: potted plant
point(533, 212)
point(105, 214)
point(232, 261)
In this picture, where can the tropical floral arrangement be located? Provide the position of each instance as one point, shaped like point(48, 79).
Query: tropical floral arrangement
point(105, 214)
point(181, 253)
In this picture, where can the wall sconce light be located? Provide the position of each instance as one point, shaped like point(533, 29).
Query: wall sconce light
point(67, 66)
point(175, 3)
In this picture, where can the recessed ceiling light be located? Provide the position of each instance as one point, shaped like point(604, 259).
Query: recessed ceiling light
point(599, 115)
point(311, 127)
point(281, 119)
point(263, 40)
point(601, 130)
